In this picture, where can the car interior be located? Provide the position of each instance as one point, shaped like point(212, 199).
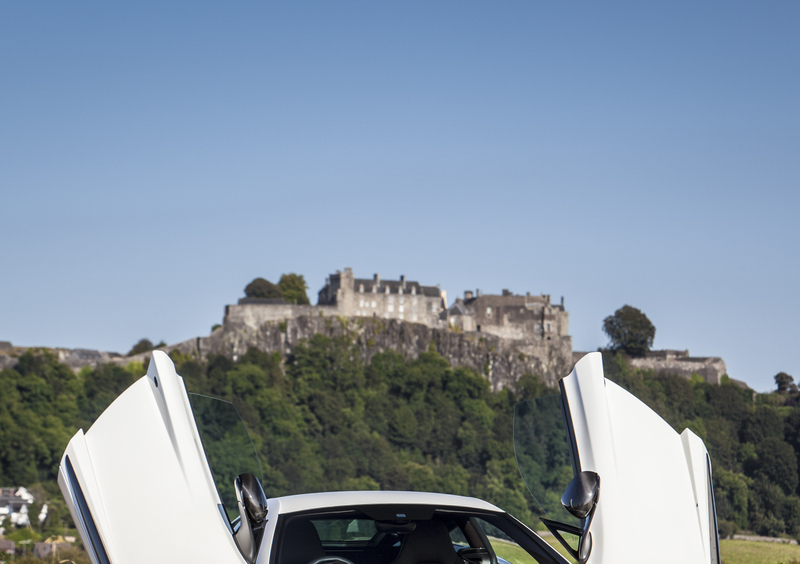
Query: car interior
point(398, 535)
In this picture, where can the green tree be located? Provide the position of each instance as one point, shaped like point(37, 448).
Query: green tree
point(262, 288)
point(783, 382)
point(294, 288)
point(630, 331)
point(777, 463)
point(143, 345)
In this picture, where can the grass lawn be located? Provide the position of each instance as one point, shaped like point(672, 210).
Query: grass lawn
point(753, 552)
point(517, 555)
point(733, 552)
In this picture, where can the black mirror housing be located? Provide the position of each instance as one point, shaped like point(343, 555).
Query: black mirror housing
point(253, 511)
point(252, 497)
point(581, 494)
point(580, 499)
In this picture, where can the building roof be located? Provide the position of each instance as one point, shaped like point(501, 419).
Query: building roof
point(395, 285)
point(460, 308)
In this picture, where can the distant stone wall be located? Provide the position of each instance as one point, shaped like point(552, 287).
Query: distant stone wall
point(502, 361)
point(255, 315)
point(74, 358)
point(680, 363)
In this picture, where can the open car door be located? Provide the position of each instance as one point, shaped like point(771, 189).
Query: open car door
point(139, 486)
point(640, 492)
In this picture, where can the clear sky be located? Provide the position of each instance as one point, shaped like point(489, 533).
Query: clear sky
point(157, 156)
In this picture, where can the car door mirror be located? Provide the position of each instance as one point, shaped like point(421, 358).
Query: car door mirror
point(253, 513)
point(250, 493)
point(580, 497)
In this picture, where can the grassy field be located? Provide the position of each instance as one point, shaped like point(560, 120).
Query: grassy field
point(753, 552)
point(733, 552)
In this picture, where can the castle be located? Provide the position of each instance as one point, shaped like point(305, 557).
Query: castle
point(500, 336)
point(508, 316)
point(532, 331)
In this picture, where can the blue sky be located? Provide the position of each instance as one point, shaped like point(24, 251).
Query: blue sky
point(155, 158)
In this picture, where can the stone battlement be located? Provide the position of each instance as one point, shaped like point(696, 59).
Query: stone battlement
point(679, 362)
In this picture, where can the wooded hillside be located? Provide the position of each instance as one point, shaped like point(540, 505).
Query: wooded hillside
point(328, 421)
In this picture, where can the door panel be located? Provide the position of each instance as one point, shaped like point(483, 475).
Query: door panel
point(143, 474)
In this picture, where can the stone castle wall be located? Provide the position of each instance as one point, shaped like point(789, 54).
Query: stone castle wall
point(255, 314)
point(680, 363)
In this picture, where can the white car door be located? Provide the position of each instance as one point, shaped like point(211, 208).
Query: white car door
point(655, 499)
point(138, 483)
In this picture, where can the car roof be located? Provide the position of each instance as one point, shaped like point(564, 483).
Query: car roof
point(330, 500)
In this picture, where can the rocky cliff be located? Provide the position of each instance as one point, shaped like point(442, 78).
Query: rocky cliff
point(502, 361)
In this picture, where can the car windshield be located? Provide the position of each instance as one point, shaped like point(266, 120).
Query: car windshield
point(228, 447)
point(544, 457)
point(407, 535)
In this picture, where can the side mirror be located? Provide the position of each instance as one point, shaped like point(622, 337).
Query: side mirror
point(253, 513)
point(580, 499)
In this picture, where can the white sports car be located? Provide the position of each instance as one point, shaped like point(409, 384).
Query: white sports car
point(140, 487)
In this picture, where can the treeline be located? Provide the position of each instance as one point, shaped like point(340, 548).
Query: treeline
point(326, 420)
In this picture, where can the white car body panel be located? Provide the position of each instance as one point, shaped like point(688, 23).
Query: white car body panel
point(306, 502)
point(143, 472)
point(654, 502)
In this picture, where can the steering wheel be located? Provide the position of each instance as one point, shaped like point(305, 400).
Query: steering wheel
point(331, 560)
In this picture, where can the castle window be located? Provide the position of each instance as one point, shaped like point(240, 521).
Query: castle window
point(401, 309)
point(538, 327)
point(391, 299)
point(399, 289)
point(548, 327)
point(387, 289)
point(390, 307)
point(361, 288)
point(401, 316)
point(433, 307)
point(402, 300)
point(413, 290)
point(488, 312)
point(414, 317)
point(374, 288)
point(360, 303)
point(374, 303)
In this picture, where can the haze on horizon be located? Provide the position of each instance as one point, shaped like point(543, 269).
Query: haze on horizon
point(156, 158)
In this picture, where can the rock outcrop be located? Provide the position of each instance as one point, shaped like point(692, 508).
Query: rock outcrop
point(502, 361)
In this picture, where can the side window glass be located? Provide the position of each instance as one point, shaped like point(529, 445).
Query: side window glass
point(458, 539)
point(507, 550)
